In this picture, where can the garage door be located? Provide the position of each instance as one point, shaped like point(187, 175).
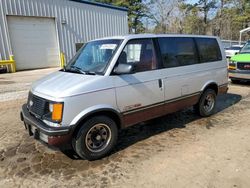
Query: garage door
point(34, 42)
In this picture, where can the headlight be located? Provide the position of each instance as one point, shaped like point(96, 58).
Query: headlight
point(51, 107)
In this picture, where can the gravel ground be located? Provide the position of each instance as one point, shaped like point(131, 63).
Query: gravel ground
point(177, 150)
point(15, 86)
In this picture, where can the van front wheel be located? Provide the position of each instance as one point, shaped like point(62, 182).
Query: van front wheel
point(96, 138)
point(207, 103)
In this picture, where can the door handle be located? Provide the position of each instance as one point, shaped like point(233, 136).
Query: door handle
point(160, 83)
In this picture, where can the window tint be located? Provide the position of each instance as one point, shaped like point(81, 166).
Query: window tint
point(208, 49)
point(140, 53)
point(178, 51)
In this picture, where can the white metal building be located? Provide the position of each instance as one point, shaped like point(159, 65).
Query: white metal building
point(37, 31)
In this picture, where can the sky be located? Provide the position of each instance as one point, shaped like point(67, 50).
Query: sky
point(192, 1)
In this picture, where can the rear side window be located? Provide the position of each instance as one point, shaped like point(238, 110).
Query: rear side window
point(209, 50)
point(178, 51)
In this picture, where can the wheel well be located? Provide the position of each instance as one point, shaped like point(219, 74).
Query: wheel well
point(212, 86)
point(109, 114)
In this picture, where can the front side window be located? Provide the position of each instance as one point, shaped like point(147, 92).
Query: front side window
point(177, 51)
point(94, 57)
point(139, 53)
point(209, 49)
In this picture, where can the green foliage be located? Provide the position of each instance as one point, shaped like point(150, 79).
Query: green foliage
point(230, 17)
point(193, 24)
point(201, 7)
point(136, 11)
point(224, 18)
point(234, 16)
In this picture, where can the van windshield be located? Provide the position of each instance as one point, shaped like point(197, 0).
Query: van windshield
point(93, 57)
point(245, 49)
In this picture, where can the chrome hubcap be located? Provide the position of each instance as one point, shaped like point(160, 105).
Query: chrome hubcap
point(98, 137)
point(209, 103)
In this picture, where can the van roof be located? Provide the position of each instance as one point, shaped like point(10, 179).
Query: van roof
point(138, 36)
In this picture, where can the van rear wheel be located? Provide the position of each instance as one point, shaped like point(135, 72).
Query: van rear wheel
point(207, 103)
point(96, 138)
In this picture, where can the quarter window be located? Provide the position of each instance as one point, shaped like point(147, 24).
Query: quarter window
point(140, 53)
point(208, 49)
point(178, 51)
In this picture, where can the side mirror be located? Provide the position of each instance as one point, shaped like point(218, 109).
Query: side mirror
point(124, 69)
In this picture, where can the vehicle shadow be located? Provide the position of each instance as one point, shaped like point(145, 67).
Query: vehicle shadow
point(226, 100)
point(177, 120)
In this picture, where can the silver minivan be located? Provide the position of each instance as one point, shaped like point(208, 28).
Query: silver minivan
point(116, 82)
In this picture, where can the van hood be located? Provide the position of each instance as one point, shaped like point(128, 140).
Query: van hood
point(64, 84)
point(241, 58)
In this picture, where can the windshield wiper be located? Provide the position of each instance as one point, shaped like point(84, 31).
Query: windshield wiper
point(79, 70)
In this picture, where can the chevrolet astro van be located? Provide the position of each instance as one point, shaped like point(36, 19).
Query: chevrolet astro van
point(116, 82)
point(239, 66)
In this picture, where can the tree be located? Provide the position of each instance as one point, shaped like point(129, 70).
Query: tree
point(224, 18)
point(193, 24)
point(161, 14)
point(136, 11)
point(232, 16)
point(202, 7)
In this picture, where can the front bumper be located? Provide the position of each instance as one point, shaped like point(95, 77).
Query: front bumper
point(238, 74)
point(56, 136)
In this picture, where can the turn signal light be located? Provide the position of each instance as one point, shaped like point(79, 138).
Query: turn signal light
point(232, 66)
point(57, 111)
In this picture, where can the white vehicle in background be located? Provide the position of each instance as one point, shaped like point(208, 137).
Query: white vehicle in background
point(233, 50)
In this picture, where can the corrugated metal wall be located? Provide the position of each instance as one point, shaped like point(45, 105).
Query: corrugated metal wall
point(83, 21)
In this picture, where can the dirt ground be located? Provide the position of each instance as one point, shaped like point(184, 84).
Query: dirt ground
point(178, 150)
point(16, 85)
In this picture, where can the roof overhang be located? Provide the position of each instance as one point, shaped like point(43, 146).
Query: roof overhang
point(101, 5)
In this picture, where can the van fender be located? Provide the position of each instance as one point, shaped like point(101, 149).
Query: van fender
point(209, 83)
point(94, 109)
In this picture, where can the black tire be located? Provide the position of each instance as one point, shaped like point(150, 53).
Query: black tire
point(207, 103)
point(235, 81)
point(96, 138)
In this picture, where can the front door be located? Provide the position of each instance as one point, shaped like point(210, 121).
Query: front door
point(140, 94)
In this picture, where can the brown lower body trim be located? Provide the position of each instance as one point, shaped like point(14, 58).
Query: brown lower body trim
point(223, 89)
point(159, 110)
point(59, 140)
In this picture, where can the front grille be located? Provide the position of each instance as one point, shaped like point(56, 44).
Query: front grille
point(243, 66)
point(36, 105)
